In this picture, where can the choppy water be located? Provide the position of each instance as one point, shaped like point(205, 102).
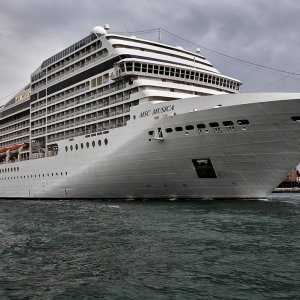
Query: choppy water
point(150, 249)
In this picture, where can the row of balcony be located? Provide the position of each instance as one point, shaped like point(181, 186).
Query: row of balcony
point(63, 136)
point(73, 123)
point(13, 122)
point(71, 60)
point(65, 73)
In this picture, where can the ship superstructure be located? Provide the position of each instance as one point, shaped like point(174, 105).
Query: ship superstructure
point(108, 91)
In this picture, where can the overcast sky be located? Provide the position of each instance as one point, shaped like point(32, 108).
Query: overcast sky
point(262, 32)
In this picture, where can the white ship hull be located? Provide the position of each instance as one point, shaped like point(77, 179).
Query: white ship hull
point(249, 161)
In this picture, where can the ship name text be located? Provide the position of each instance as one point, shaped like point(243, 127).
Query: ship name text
point(156, 111)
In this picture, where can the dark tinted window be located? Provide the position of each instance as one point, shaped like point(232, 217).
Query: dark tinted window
point(169, 130)
point(189, 127)
point(178, 128)
point(201, 126)
point(243, 122)
point(214, 124)
point(227, 123)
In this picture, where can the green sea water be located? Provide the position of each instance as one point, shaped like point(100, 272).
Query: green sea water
point(150, 249)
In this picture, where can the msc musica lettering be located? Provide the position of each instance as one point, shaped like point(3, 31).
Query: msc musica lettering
point(156, 111)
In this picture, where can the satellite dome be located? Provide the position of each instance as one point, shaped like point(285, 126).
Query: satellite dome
point(99, 30)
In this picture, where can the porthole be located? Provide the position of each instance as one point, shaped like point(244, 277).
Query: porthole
point(11, 169)
point(76, 146)
point(61, 173)
point(71, 147)
point(243, 122)
point(106, 141)
point(214, 124)
point(93, 143)
point(189, 127)
point(87, 144)
point(201, 126)
point(66, 173)
point(56, 174)
point(151, 132)
point(227, 123)
point(178, 128)
point(99, 142)
point(15, 169)
point(168, 130)
point(81, 145)
point(66, 148)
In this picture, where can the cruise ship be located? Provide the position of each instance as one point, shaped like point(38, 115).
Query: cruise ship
point(115, 116)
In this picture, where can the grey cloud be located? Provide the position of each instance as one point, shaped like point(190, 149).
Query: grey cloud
point(264, 32)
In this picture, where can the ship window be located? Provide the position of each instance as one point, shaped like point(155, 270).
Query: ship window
point(150, 69)
point(99, 142)
point(201, 125)
point(76, 146)
point(151, 132)
point(168, 130)
point(87, 144)
point(106, 141)
point(81, 145)
point(93, 143)
point(204, 168)
point(214, 124)
point(144, 68)
point(17, 168)
point(66, 148)
point(172, 71)
point(243, 122)
point(71, 147)
point(189, 127)
point(297, 119)
point(155, 69)
point(167, 71)
point(227, 123)
point(178, 128)
point(129, 66)
point(137, 67)
point(161, 70)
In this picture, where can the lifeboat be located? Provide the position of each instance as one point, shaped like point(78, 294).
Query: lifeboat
point(15, 147)
point(12, 148)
